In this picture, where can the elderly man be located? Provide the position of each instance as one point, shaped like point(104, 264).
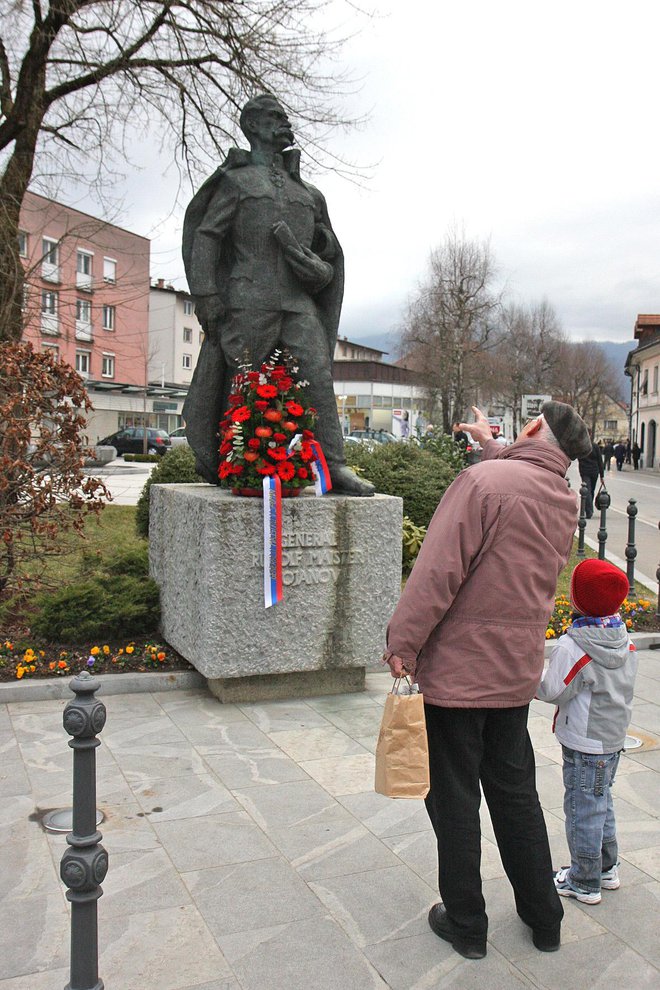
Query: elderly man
point(470, 628)
point(266, 271)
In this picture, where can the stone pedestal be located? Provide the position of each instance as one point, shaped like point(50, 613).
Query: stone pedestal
point(341, 576)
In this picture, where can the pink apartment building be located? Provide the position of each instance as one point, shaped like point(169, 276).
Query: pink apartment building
point(87, 299)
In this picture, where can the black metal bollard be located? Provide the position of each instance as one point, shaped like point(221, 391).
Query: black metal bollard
point(631, 549)
point(85, 864)
point(602, 504)
point(582, 521)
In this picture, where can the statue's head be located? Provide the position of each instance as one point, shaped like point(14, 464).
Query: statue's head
point(265, 123)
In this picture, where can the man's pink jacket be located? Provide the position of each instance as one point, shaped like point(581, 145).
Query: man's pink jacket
point(471, 621)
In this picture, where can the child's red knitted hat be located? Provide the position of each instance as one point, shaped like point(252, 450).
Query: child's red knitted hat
point(598, 587)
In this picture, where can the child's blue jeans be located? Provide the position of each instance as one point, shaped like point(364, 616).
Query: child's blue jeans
point(589, 811)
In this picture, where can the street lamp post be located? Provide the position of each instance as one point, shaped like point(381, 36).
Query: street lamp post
point(342, 399)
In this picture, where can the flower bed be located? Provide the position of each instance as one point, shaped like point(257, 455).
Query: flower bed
point(638, 614)
point(20, 661)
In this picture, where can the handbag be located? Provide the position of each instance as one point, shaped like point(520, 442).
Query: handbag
point(402, 751)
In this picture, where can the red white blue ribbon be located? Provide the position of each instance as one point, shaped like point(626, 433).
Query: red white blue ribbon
point(322, 482)
point(272, 540)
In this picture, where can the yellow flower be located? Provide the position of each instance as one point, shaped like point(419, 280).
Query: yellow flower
point(120, 651)
point(106, 650)
point(95, 651)
point(129, 649)
point(20, 671)
point(42, 653)
point(10, 646)
point(549, 634)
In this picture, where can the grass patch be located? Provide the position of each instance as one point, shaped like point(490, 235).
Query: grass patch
point(105, 537)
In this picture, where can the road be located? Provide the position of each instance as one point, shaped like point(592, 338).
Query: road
point(644, 487)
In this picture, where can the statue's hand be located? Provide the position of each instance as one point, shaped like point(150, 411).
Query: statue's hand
point(210, 311)
point(283, 234)
point(314, 273)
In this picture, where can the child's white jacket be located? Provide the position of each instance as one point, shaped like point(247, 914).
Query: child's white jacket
point(591, 677)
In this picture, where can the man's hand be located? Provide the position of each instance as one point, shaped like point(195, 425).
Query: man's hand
point(396, 665)
point(480, 429)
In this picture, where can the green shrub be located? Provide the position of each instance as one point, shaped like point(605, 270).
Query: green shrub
point(177, 467)
point(143, 458)
point(115, 607)
point(445, 447)
point(419, 476)
point(134, 562)
point(413, 537)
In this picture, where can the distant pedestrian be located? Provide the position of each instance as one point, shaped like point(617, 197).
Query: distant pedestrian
point(591, 469)
point(460, 436)
point(620, 455)
point(608, 454)
point(628, 451)
point(591, 678)
point(636, 454)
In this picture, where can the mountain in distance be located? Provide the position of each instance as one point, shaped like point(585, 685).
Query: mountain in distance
point(617, 351)
point(385, 342)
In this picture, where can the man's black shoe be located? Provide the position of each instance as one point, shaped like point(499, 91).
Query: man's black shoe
point(547, 941)
point(443, 928)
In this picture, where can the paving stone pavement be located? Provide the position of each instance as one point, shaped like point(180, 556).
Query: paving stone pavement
point(249, 852)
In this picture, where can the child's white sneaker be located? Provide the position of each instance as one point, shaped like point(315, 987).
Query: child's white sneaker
point(609, 879)
point(567, 889)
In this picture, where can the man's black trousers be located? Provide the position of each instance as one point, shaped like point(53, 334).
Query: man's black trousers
point(491, 746)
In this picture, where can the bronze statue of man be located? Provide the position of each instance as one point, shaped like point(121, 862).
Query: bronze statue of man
point(266, 271)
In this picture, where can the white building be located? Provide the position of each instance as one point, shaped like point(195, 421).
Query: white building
point(373, 394)
point(643, 366)
point(175, 335)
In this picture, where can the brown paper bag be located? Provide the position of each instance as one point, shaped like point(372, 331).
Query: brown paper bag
point(402, 751)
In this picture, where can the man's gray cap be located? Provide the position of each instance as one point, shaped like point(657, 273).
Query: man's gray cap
point(569, 429)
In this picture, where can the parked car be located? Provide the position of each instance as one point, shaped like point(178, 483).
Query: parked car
point(379, 436)
point(131, 441)
point(178, 437)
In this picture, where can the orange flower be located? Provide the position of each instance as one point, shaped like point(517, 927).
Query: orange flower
point(20, 671)
point(61, 664)
point(130, 649)
point(161, 655)
point(106, 650)
point(52, 665)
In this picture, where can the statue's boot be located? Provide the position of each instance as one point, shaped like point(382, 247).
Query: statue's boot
point(347, 482)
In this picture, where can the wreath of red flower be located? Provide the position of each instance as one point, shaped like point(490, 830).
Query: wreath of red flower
point(259, 400)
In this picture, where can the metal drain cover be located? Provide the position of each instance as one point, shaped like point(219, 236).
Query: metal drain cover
point(62, 819)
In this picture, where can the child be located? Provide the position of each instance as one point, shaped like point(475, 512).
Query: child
point(591, 677)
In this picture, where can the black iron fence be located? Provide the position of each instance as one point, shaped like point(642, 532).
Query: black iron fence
point(602, 503)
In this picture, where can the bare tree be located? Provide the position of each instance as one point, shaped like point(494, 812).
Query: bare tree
point(589, 380)
point(527, 358)
point(451, 320)
point(78, 76)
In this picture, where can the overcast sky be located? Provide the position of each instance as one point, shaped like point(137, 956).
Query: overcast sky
point(532, 124)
